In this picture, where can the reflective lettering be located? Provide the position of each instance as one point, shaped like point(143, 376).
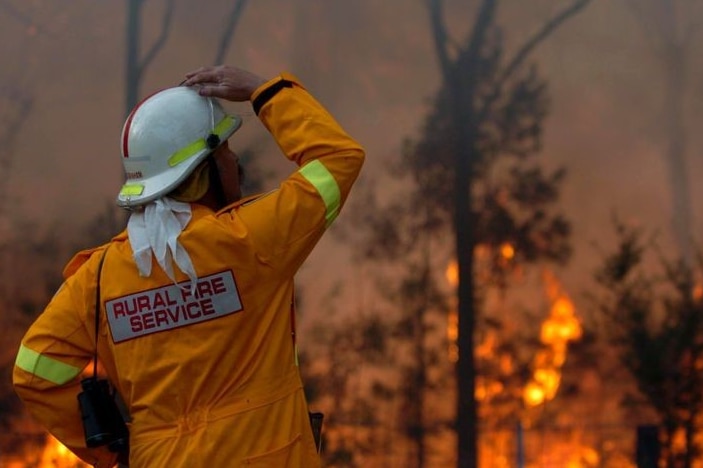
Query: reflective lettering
point(168, 307)
point(136, 324)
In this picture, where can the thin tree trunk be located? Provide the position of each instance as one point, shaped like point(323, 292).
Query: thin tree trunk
point(462, 84)
point(132, 77)
point(228, 33)
point(464, 227)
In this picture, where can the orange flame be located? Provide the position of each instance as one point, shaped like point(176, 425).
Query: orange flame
point(507, 251)
point(560, 327)
point(452, 275)
point(56, 455)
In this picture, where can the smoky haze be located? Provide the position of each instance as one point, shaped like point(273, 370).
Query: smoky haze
point(624, 88)
point(373, 65)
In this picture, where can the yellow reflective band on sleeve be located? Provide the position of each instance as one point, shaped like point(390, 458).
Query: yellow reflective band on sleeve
point(131, 189)
point(317, 174)
point(192, 149)
point(48, 369)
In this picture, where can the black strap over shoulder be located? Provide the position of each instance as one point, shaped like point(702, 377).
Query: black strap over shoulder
point(97, 314)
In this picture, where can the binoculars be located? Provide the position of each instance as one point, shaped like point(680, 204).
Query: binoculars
point(103, 423)
point(316, 424)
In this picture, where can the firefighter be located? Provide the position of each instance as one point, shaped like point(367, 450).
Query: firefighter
point(194, 300)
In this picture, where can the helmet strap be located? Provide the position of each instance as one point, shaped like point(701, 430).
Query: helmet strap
point(216, 184)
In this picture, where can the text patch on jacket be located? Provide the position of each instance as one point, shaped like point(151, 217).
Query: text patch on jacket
point(172, 306)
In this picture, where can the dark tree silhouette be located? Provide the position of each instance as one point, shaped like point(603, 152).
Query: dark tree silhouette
point(473, 174)
point(656, 323)
point(478, 84)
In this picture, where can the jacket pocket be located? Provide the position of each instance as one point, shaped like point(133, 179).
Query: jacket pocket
point(288, 455)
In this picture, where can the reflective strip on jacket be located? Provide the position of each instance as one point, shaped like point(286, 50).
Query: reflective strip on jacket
point(209, 374)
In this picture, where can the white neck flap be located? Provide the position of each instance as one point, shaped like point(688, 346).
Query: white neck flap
point(155, 230)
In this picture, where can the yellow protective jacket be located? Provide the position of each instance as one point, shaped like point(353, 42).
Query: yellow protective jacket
point(208, 373)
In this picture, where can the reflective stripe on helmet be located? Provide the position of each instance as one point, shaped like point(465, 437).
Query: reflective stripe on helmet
point(48, 369)
point(201, 143)
point(132, 190)
point(317, 174)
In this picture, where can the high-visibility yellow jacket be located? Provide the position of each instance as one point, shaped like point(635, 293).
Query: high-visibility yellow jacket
point(208, 374)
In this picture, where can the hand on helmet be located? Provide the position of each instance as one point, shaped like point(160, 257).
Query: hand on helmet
point(224, 81)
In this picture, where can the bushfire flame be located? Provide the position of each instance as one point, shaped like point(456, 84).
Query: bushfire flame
point(56, 455)
point(560, 327)
point(52, 455)
point(452, 275)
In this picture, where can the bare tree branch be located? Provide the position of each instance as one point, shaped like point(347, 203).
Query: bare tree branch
point(547, 29)
point(656, 34)
point(16, 14)
point(230, 28)
point(439, 34)
point(484, 19)
point(161, 40)
point(663, 26)
point(442, 39)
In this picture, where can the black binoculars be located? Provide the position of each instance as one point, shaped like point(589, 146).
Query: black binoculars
point(103, 423)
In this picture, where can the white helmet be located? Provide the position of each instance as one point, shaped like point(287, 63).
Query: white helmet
point(164, 139)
